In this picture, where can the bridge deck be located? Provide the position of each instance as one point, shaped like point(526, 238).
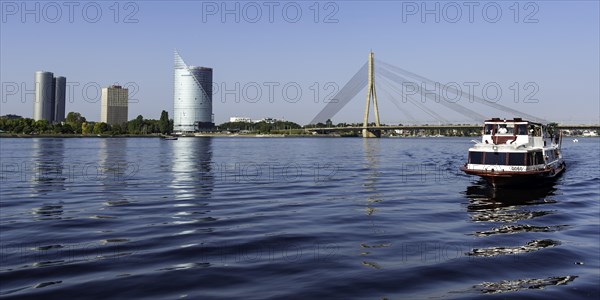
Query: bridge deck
point(408, 127)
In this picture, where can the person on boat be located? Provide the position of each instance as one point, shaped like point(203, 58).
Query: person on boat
point(502, 129)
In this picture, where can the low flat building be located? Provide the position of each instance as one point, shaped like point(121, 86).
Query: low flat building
point(240, 119)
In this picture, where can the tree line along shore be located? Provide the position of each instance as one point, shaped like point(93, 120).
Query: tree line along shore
point(76, 125)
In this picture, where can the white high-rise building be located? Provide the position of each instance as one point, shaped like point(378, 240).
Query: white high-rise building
point(192, 97)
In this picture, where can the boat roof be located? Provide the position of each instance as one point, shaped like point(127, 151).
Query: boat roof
point(515, 120)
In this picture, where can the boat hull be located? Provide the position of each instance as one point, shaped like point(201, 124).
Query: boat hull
point(518, 179)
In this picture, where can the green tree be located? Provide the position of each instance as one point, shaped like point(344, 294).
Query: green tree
point(135, 126)
point(97, 129)
point(76, 120)
point(117, 129)
point(101, 127)
point(27, 129)
point(85, 128)
point(164, 124)
point(66, 128)
point(57, 128)
point(74, 117)
point(41, 126)
point(18, 128)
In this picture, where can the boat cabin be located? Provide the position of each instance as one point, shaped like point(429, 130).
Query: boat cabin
point(514, 143)
point(515, 132)
point(515, 152)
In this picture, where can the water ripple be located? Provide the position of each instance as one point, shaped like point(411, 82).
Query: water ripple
point(207, 218)
point(522, 284)
point(529, 247)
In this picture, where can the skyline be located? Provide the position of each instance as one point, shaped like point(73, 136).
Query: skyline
point(558, 53)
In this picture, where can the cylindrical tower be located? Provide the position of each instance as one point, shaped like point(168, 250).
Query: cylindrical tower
point(42, 104)
point(192, 97)
point(52, 101)
point(59, 98)
point(204, 76)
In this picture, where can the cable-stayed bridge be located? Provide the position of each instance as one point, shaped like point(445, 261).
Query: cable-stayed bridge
point(410, 92)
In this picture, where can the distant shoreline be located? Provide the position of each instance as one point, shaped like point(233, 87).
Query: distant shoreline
point(24, 136)
point(12, 135)
point(218, 135)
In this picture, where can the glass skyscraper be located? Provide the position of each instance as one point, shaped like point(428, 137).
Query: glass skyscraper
point(49, 101)
point(192, 97)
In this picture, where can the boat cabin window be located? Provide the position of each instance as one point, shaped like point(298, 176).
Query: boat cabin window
point(497, 158)
point(489, 129)
point(516, 159)
point(475, 157)
point(535, 130)
point(494, 158)
point(506, 129)
point(535, 158)
point(522, 129)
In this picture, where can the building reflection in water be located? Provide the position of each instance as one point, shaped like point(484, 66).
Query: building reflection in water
point(47, 176)
point(192, 168)
point(112, 170)
point(512, 208)
point(192, 181)
point(372, 153)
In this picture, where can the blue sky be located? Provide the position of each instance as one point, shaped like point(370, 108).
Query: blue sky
point(554, 44)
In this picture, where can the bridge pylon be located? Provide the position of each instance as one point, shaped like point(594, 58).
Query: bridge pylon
point(371, 94)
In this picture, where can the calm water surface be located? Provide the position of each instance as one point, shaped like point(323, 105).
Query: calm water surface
point(260, 218)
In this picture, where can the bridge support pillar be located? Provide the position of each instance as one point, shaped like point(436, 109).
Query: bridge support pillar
point(371, 133)
point(371, 96)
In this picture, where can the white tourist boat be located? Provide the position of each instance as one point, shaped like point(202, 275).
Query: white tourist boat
point(515, 153)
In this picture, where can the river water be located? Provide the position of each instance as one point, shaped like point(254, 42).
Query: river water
point(260, 218)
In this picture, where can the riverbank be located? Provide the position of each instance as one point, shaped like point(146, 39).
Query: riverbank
point(12, 135)
point(216, 135)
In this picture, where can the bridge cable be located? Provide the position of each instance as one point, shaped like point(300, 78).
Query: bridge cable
point(419, 105)
point(346, 93)
point(476, 98)
point(446, 102)
point(395, 102)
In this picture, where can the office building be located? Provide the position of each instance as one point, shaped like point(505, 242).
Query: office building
point(114, 105)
